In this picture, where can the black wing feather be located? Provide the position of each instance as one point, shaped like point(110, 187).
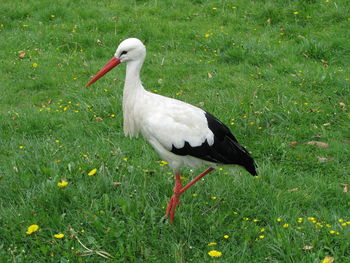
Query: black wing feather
point(225, 149)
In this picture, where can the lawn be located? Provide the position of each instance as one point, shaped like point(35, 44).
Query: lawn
point(73, 188)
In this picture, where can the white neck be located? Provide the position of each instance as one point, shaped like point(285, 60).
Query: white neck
point(133, 90)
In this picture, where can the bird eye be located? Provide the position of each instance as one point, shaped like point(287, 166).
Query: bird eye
point(123, 53)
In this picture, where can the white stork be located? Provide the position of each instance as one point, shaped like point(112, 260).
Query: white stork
point(182, 134)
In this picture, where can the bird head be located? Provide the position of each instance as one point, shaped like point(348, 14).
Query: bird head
point(131, 49)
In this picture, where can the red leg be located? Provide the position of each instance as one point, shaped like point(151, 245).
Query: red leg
point(196, 179)
point(178, 190)
point(174, 200)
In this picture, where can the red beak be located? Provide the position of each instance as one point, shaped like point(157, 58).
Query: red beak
point(111, 64)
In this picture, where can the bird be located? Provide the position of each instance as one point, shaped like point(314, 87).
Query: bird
point(182, 134)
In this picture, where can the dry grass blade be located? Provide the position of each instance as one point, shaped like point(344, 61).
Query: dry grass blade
point(88, 251)
point(319, 144)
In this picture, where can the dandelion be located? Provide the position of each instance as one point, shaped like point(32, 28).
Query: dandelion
point(213, 198)
point(34, 65)
point(327, 259)
point(226, 236)
point(262, 230)
point(162, 163)
point(125, 159)
point(255, 220)
point(211, 244)
point(285, 225)
point(112, 115)
point(261, 237)
point(245, 218)
point(21, 147)
point(52, 16)
point(62, 184)
point(295, 12)
point(194, 195)
point(214, 8)
point(235, 213)
point(340, 220)
point(59, 236)
point(234, 7)
point(31, 229)
point(214, 253)
point(279, 220)
point(92, 172)
point(300, 220)
point(332, 232)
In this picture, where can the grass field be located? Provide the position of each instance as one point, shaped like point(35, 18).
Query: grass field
point(276, 72)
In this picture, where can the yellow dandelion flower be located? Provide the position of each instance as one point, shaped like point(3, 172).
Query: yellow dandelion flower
point(234, 7)
point(206, 35)
point(226, 236)
point(31, 229)
point(194, 195)
point(261, 237)
point(125, 159)
point(245, 218)
point(332, 232)
point(21, 147)
point(214, 8)
point(59, 236)
point(279, 220)
point(235, 213)
point(214, 253)
point(53, 16)
point(34, 65)
point(211, 244)
point(327, 259)
point(92, 172)
point(62, 184)
point(285, 225)
point(112, 115)
point(162, 163)
point(340, 220)
point(311, 218)
point(300, 220)
point(213, 198)
point(262, 230)
point(295, 12)
point(255, 220)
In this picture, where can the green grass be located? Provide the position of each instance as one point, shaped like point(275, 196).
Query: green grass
point(280, 74)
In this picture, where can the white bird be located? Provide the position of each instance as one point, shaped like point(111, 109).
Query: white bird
point(182, 134)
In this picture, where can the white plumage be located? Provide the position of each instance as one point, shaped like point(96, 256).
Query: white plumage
point(182, 134)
